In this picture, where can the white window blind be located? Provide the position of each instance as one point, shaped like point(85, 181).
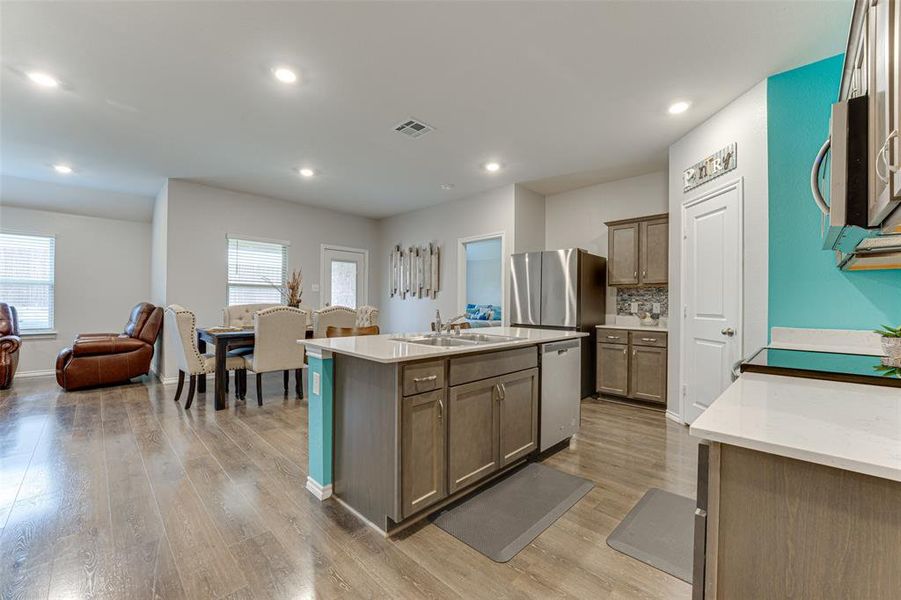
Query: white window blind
point(254, 267)
point(26, 278)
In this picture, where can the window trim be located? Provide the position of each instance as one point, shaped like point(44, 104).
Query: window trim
point(46, 332)
point(249, 238)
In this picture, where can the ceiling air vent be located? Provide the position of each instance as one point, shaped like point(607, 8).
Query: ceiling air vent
point(413, 128)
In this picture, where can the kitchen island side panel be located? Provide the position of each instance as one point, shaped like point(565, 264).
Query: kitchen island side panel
point(365, 446)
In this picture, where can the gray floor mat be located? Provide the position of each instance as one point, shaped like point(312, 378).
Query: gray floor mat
point(659, 531)
point(503, 519)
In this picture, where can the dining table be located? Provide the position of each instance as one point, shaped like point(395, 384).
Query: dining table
point(224, 339)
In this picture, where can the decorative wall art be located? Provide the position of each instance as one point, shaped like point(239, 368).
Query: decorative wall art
point(413, 271)
point(711, 167)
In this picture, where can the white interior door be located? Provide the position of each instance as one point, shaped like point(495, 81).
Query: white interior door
point(711, 296)
point(345, 276)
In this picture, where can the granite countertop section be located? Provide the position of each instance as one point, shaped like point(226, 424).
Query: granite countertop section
point(660, 328)
point(849, 426)
point(385, 349)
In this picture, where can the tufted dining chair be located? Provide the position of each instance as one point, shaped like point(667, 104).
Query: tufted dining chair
point(332, 316)
point(183, 324)
point(276, 331)
point(367, 316)
point(241, 315)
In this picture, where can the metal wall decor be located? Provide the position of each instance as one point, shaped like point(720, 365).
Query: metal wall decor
point(413, 272)
point(710, 168)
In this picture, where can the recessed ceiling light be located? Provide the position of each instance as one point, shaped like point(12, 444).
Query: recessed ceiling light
point(63, 169)
point(284, 74)
point(678, 108)
point(306, 172)
point(493, 167)
point(43, 79)
point(447, 186)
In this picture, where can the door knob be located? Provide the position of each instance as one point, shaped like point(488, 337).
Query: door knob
point(728, 331)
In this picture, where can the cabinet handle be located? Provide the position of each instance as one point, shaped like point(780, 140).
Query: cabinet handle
point(882, 156)
point(612, 337)
point(644, 273)
point(648, 339)
point(502, 391)
point(424, 379)
point(440, 409)
point(635, 275)
point(634, 352)
point(625, 350)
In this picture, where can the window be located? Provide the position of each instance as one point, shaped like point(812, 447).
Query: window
point(256, 271)
point(26, 278)
point(344, 283)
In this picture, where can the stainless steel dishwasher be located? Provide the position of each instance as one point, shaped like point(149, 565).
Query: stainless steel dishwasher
point(561, 378)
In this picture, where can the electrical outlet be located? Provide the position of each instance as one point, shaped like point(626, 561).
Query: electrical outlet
point(656, 308)
point(316, 385)
point(315, 287)
point(634, 307)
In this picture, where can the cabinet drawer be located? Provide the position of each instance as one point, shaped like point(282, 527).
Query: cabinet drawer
point(648, 338)
point(613, 336)
point(482, 366)
point(423, 377)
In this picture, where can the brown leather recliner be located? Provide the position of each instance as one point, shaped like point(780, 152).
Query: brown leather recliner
point(9, 344)
point(104, 358)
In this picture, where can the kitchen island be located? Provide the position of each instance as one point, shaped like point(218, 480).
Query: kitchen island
point(400, 425)
point(801, 491)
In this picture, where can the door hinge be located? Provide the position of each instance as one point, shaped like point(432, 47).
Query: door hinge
point(685, 312)
point(684, 391)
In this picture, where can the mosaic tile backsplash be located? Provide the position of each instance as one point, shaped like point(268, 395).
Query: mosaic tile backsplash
point(645, 296)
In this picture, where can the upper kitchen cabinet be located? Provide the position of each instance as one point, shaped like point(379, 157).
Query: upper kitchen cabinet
point(638, 251)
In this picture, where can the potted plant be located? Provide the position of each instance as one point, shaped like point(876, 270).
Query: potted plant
point(891, 340)
point(292, 290)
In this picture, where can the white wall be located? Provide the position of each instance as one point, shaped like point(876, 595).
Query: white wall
point(529, 220)
point(158, 262)
point(743, 121)
point(199, 218)
point(490, 212)
point(102, 271)
point(576, 218)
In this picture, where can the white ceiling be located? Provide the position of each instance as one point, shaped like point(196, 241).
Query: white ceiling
point(183, 89)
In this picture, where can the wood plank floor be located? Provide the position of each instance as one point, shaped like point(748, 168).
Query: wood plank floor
point(120, 493)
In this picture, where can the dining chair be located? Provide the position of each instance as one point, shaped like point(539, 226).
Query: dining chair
point(333, 331)
point(367, 316)
point(183, 323)
point(334, 316)
point(276, 331)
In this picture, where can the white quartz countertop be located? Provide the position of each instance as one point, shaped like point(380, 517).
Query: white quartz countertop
point(385, 349)
point(659, 328)
point(850, 426)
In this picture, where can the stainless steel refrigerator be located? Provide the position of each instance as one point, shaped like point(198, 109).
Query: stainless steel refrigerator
point(561, 289)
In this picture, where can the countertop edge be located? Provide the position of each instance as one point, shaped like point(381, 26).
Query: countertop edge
point(433, 353)
point(837, 462)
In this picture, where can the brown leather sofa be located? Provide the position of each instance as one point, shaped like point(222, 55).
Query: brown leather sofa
point(9, 344)
point(104, 358)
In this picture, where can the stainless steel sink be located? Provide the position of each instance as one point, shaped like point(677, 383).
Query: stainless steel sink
point(454, 340)
point(443, 341)
point(485, 338)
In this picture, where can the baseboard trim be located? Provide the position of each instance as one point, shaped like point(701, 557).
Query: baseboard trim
point(30, 374)
point(674, 417)
point(320, 491)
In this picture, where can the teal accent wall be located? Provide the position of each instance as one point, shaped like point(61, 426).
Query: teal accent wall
point(320, 419)
point(805, 287)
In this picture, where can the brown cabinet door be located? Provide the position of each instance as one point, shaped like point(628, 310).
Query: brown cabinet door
point(654, 251)
point(472, 432)
point(622, 262)
point(647, 374)
point(613, 369)
point(518, 409)
point(423, 443)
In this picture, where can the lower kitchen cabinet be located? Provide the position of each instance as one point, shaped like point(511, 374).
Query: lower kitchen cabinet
point(472, 432)
point(613, 369)
point(518, 408)
point(632, 364)
point(423, 443)
point(647, 374)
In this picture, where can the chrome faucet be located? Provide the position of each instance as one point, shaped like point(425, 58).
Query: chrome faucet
point(446, 327)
